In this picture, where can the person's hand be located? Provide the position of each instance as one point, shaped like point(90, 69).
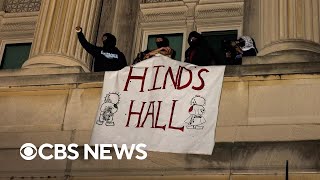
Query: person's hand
point(147, 56)
point(78, 29)
point(165, 50)
point(238, 49)
point(228, 54)
point(233, 43)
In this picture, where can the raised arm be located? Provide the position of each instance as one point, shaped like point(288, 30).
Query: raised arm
point(90, 48)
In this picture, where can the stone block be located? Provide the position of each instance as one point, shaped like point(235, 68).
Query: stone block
point(277, 133)
point(173, 177)
point(157, 164)
point(16, 139)
point(258, 177)
point(226, 134)
point(12, 165)
point(271, 157)
point(233, 108)
point(284, 102)
point(276, 177)
point(32, 110)
point(82, 137)
point(82, 108)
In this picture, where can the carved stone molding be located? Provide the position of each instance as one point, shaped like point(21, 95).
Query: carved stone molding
point(163, 14)
point(11, 23)
point(219, 10)
point(16, 6)
point(188, 10)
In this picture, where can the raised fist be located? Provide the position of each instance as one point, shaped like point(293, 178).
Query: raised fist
point(78, 29)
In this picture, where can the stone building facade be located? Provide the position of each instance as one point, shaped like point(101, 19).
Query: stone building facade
point(269, 108)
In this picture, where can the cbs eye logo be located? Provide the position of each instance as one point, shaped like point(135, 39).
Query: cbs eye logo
point(28, 151)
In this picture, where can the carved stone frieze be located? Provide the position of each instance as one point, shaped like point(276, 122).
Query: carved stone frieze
point(16, 6)
point(24, 22)
point(221, 10)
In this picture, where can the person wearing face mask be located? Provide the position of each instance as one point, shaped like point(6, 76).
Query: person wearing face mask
point(108, 57)
point(163, 48)
point(199, 52)
point(247, 46)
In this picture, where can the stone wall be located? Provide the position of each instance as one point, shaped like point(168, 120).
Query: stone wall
point(263, 121)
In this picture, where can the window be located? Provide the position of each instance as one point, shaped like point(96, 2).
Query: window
point(175, 41)
point(215, 39)
point(15, 55)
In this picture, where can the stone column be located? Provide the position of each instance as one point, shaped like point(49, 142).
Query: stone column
point(119, 17)
point(284, 26)
point(56, 43)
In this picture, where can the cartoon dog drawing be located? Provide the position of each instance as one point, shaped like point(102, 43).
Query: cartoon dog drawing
point(196, 112)
point(108, 109)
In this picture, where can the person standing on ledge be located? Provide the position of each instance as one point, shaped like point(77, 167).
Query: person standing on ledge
point(108, 57)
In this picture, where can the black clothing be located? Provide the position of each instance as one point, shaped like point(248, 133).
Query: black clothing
point(199, 52)
point(109, 42)
point(248, 46)
point(250, 52)
point(140, 57)
point(108, 57)
point(163, 43)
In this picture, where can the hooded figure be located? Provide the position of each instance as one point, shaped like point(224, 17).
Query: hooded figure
point(199, 52)
point(108, 57)
point(247, 46)
point(163, 47)
point(164, 42)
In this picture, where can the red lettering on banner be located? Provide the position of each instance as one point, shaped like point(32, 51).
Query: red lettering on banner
point(171, 116)
point(174, 81)
point(151, 112)
point(179, 87)
point(201, 79)
point(155, 79)
point(151, 105)
point(130, 77)
point(157, 118)
point(135, 113)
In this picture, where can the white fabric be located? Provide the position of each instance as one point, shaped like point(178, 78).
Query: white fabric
point(194, 111)
point(248, 43)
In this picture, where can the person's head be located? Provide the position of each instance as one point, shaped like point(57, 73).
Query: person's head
point(241, 42)
point(246, 43)
point(109, 41)
point(162, 41)
point(194, 38)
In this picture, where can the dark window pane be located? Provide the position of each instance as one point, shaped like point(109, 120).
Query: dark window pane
point(175, 43)
point(15, 55)
point(215, 39)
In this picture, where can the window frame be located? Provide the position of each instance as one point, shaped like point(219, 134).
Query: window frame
point(217, 27)
point(5, 42)
point(149, 32)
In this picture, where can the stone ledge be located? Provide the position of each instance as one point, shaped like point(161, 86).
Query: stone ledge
point(233, 72)
point(40, 71)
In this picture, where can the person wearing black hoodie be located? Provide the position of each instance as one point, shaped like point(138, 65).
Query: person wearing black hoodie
point(199, 52)
point(108, 57)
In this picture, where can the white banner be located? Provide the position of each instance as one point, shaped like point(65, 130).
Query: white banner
point(168, 105)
